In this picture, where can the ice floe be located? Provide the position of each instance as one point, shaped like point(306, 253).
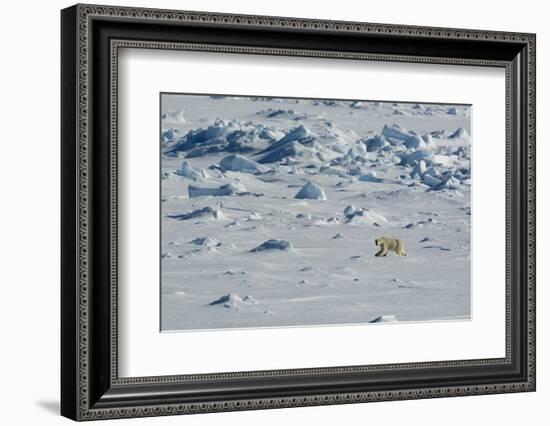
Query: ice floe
point(459, 133)
point(173, 117)
point(239, 163)
point(206, 242)
point(311, 191)
point(206, 213)
point(364, 216)
point(281, 245)
point(233, 301)
point(395, 131)
point(188, 171)
point(383, 319)
point(232, 188)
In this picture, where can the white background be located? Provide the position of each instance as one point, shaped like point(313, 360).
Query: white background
point(146, 352)
point(29, 221)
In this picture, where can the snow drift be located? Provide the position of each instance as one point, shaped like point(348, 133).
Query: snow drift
point(383, 319)
point(233, 188)
point(370, 176)
point(186, 170)
point(238, 163)
point(174, 117)
point(395, 131)
point(220, 136)
point(205, 213)
point(168, 135)
point(281, 245)
point(233, 301)
point(459, 133)
point(376, 143)
point(323, 142)
point(364, 216)
point(311, 191)
point(206, 242)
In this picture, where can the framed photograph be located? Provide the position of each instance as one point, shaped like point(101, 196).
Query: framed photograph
point(263, 212)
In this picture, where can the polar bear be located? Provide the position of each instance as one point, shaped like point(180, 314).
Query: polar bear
point(392, 244)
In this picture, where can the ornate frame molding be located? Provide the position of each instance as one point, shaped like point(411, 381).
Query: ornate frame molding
point(83, 15)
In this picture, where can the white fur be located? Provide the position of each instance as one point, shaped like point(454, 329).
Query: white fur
point(390, 244)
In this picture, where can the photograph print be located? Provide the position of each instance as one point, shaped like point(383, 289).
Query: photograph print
point(285, 212)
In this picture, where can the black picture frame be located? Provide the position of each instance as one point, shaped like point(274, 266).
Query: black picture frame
point(90, 386)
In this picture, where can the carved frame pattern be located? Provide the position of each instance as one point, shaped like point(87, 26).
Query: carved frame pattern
point(85, 13)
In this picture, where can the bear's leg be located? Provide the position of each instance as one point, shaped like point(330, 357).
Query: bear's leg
point(400, 249)
point(383, 252)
